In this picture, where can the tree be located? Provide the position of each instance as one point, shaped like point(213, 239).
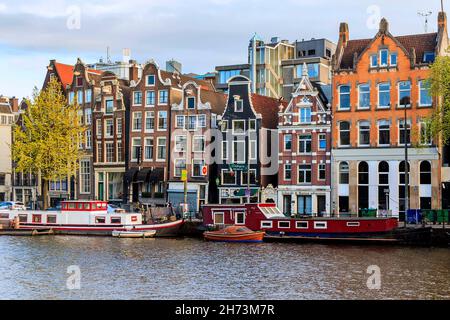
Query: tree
point(439, 122)
point(48, 140)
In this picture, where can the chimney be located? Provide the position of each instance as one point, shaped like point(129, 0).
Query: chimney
point(14, 102)
point(442, 20)
point(384, 26)
point(343, 33)
point(134, 71)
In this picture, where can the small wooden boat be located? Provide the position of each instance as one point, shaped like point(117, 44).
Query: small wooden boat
point(235, 234)
point(134, 234)
point(26, 232)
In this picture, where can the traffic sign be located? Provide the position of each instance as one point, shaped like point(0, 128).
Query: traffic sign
point(204, 170)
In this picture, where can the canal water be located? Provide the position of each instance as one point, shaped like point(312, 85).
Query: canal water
point(109, 268)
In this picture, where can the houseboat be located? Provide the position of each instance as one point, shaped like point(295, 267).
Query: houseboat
point(89, 218)
point(277, 226)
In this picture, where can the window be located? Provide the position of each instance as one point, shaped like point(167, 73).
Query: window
point(344, 133)
point(266, 224)
point(80, 96)
point(119, 151)
point(100, 220)
point(384, 57)
point(252, 125)
point(116, 220)
point(284, 224)
point(238, 105)
point(79, 81)
point(240, 217)
point(109, 148)
point(71, 97)
point(363, 185)
point(162, 120)
point(148, 148)
point(163, 97)
point(224, 125)
point(137, 98)
point(137, 121)
point(180, 122)
point(401, 188)
point(404, 94)
point(313, 70)
point(304, 173)
point(219, 218)
point(99, 128)
point(136, 147)
point(287, 171)
point(88, 116)
point(322, 141)
point(428, 57)
point(404, 132)
point(373, 61)
point(85, 176)
point(228, 177)
point(288, 142)
point(425, 134)
point(301, 224)
point(88, 95)
point(364, 96)
point(161, 148)
point(180, 165)
point(244, 177)
point(225, 75)
point(197, 166)
point(224, 150)
point(393, 59)
point(99, 152)
point(425, 99)
point(383, 185)
point(88, 139)
point(239, 151)
point(384, 133)
point(344, 173)
point(150, 98)
point(425, 172)
point(364, 133)
point(304, 144)
point(201, 121)
point(384, 95)
point(304, 205)
point(344, 98)
point(109, 128)
point(150, 80)
point(238, 126)
point(198, 144)
point(322, 171)
point(149, 120)
point(401, 171)
point(192, 122)
point(305, 115)
point(191, 102)
point(51, 219)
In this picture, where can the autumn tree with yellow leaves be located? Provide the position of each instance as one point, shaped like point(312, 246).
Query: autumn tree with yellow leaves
point(48, 140)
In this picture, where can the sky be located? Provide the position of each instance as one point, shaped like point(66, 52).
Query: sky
point(201, 34)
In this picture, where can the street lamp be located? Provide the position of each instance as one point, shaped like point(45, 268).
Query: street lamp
point(406, 103)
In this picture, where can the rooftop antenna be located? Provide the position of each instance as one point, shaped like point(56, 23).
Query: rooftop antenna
point(442, 5)
point(425, 14)
point(108, 57)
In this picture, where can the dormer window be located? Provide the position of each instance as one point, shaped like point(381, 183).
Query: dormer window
point(238, 105)
point(191, 102)
point(393, 60)
point(151, 80)
point(428, 57)
point(79, 81)
point(109, 106)
point(384, 57)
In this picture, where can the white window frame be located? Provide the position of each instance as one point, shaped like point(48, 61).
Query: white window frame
point(236, 219)
point(284, 141)
point(175, 162)
point(134, 99)
point(280, 227)
point(223, 181)
point(387, 58)
point(187, 103)
point(147, 92)
point(184, 121)
point(203, 138)
point(298, 222)
point(378, 95)
point(148, 77)
point(225, 156)
point(236, 104)
point(158, 144)
point(359, 96)
point(390, 59)
point(253, 153)
point(133, 122)
point(233, 127)
point(318, 171)
point(214, 218)
point(420, 95)
point(284, 172)
point(266, 224)
point(176, 143)
point(359, 133)
point(400, 106)
point(321, 225)
point(349, 94)
point(159, 97)
point(319, 139)
point(244, 151)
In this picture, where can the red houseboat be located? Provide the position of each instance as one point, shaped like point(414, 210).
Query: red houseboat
point(268, 218)
point(89, 218)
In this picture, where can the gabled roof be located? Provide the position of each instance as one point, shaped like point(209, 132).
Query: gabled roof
point(65, 73)
point(420, 42)
point(180, 79)
point(268, 108)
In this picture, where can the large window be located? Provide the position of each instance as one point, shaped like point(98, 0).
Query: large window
point(180, 121)
point(288, 142)
point(180, 143)
point(404, 94)
point(119, 151)
point(136, 147)
point(287, 171)
point(238, 126)
point(228, 177)
point(239, 151)
point(163, 97)
point(198, 144)
point(344, 134)
point(304, 205)
point(384, 95)
point(162, 148)
point(425, 172)
point(344, 98)
point(149, 120)
point(384, 57)
point(109, 148)
point(304, 144)
point(305, 115)
point(109, 106)
point(363, 185)
point(364, 133)
point(137, 98)
point(180, 165)
point(149, 148)
point(192, 122)
point(384, 133)
point(344, 173)
point(364, 96)
point(150, 98)
point(401, 187)
point(383, 185)
point(404, 132)
point(162, 120)
point(244, 177)
point(109, 126)
point(197, 167)
point(137, 121)
point(304, 173)
point(322, 141)
point(425, 99)
point(322, 171)
point(85, 176)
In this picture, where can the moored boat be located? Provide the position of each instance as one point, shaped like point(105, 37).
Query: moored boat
point(234, 234)
point(134, 234)
point(89, 218)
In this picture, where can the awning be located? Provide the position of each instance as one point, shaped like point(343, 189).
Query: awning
point(130, 174)
point(157, 175)
point(143, 175)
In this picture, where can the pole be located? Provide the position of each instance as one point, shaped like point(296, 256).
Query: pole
point(185, 194)
point(406, 167)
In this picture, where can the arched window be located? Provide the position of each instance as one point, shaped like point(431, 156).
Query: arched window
point(383, 185)
point(344, 133)
point(343, 173)
point(402, 189)
point(425, 172)
point(363, 185)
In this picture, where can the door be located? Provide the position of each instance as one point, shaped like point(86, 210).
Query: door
point(101, 191)
point(304, 205)
point(287, 203)
point(321, 205)
point(135, 187)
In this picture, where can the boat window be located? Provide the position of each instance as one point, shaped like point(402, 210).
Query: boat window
point(243, 229)
point(320, 225)
point(240, 218)
point(72, 205)
point(218, 218)
point(266, 224)
point(301, 224)
point(37, 218)
point(284, 224)
point(23, 217)
point(104, 205)
point(51, 219)
point(87, 206)
point(100, 220)
point(4, 216)
point(352, 224)
point(64, 206)
point(80, 206)
point(116, 220)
